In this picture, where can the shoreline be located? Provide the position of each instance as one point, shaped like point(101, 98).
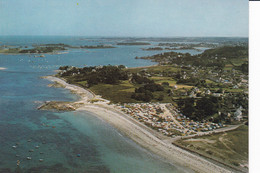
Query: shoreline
point(139, 133)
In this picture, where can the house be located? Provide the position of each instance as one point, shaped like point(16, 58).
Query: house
point(244, 81)
point(192, 94)
point(235, 87)
point(238, 114)
point(208, 92)
point(216, 94)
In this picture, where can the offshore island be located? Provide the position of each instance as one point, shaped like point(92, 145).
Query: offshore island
point(47, 48)
point(188, 109)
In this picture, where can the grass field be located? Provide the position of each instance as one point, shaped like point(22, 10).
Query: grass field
point(170, 80)
point(155, 69)
point(11, 50)
point(115, 93)
point(122, 92)
point(229, 147)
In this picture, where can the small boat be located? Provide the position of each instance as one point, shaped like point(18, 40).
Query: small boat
point(14, 147)
point(18, 162)
point(41, 152)
point(31, 150)
point(29, 140)
point(40, 160)
point(28, 158)
point(37, 146)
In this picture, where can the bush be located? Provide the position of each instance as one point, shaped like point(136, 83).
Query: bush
point(209, 152)
point(165, 83)
point(160, 98)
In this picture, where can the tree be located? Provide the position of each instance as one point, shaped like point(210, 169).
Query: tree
point(160, 98)
point(165, 83)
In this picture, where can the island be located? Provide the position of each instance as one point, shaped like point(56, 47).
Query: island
point(98, 47)
point(34, 50)
point(47, 48)
point(169, 48)
point(153, 48)
point(134, 43)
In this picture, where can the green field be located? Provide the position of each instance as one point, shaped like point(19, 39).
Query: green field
point(229, 147)
point(10, 50)
point(171, 82)
point(115, 93)
point(155, 69)
point(122, 92)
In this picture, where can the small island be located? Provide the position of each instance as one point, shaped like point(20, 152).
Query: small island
point(47, 48)
point(34, 50)
point(169, 48)
point(98, 47)
point(153, 48)
point(134, 43)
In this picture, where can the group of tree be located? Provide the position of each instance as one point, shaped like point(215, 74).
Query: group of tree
point(145, 93)
point(199, 109)
point(189, 81)
point(94, 75)
point(244, 68)
point(48, 49)
point(139, 79)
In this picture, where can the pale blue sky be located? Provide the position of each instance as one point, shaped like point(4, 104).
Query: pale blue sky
point(158, 18)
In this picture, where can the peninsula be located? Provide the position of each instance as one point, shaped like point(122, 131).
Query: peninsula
point(176, 102)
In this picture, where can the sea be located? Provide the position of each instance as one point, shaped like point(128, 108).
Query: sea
point(66, 142)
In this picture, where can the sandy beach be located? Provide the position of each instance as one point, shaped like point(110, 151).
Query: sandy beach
point(138, 132)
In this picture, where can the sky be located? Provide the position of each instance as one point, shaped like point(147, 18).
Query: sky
point(143, 18)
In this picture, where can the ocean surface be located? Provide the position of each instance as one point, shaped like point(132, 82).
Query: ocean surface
point(66, 141)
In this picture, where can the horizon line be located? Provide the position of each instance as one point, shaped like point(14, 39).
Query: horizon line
point(132, 36)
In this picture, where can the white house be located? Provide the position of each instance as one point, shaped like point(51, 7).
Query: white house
point(238, 114)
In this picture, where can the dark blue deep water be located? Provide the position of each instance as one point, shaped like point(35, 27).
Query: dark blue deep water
point(61, 136)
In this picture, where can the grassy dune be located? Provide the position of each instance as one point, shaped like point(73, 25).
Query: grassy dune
point(229, 147)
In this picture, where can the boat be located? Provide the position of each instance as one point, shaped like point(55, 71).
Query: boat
point(28, 158)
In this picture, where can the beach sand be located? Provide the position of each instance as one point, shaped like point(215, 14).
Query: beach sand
point(138, 132)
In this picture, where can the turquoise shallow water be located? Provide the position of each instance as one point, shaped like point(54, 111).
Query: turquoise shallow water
point(61, 136)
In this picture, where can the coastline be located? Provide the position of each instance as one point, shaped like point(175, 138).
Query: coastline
point(141, 134)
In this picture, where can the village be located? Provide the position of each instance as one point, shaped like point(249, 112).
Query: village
point(168, 120)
